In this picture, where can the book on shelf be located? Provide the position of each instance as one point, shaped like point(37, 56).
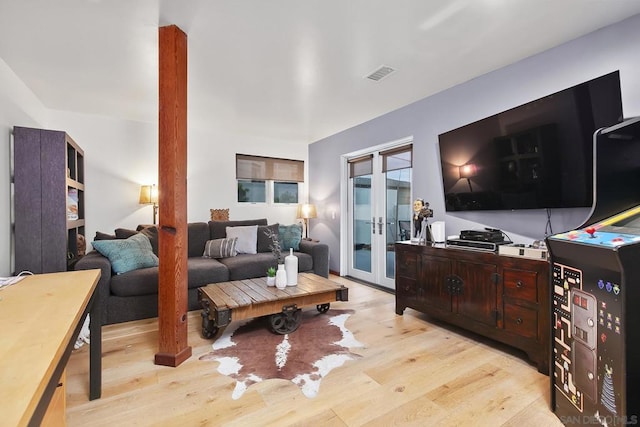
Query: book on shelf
point(72, 204)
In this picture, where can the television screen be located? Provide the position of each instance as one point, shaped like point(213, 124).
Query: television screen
point(538, 155)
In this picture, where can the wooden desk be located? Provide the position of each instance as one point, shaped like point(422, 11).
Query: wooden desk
point(40, 318)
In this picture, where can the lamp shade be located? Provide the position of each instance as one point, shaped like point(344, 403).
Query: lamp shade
point(306, 211)
point(468, 171)
point(148, 194)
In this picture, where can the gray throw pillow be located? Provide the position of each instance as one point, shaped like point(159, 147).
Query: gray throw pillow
point(220, 248)
point(263, 240)
point(247, 238)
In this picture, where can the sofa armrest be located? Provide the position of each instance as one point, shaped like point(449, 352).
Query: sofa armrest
point(94, 260)
point(319, 253)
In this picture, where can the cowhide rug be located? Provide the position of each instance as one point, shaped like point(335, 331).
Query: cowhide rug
point(250, 352)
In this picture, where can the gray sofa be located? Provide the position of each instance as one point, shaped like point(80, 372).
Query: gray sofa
point(134, 295)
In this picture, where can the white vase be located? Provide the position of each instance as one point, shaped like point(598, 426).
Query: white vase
point(281, 277)
point(271, 281)
point(291, 267)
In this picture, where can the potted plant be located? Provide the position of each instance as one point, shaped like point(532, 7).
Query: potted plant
point(277, 254)
point(271, 276)
point(275, 245)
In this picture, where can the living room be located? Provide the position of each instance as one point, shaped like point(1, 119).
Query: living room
point(121, 152)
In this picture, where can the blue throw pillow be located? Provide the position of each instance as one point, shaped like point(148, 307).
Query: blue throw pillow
point(290, 236)
point(127, 254)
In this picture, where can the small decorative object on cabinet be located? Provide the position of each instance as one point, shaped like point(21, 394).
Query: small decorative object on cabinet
point(281, 277)
point(291, 267)
point(500, 297)
point(421, 213)
point(49, 200)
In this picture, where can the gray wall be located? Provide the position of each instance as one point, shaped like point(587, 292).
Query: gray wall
point(616, 47)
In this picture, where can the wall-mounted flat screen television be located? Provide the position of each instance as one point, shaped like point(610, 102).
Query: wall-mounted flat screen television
point(535, 156)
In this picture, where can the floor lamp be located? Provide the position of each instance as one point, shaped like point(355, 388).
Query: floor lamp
point(306, 211)
point(149, 196)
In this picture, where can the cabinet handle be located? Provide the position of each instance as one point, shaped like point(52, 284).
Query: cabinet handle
point(519, 284)
point(519, 321)
point(454, 284)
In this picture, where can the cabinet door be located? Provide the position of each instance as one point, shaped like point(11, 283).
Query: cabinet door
point(432, 288)
point(406, 278)
point(477, 298)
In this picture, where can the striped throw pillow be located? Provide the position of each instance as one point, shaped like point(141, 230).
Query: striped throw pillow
point(220, 248)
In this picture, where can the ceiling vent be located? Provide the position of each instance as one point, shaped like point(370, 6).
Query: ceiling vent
point(379, 74)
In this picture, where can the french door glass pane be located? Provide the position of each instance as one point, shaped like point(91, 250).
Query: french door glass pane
point(399, 210)
point(362, 223)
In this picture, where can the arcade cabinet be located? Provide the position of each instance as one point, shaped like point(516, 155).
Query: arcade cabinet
point(595, 279)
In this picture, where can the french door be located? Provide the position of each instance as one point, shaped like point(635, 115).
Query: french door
point(379, 204)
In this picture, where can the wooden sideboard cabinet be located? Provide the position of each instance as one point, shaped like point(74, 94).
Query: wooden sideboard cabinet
point(503, 298)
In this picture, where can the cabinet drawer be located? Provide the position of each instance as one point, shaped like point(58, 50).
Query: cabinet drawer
point(406, 287)
point(521, 320)
point(521, 284)
point(407, 265)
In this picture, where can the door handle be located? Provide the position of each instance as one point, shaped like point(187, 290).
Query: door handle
point(373, 225)
point(380, 224)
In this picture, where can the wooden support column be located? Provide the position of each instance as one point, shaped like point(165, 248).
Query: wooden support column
point(172, 198)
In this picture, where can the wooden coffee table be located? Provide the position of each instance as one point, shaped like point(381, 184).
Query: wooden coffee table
point(242, 299)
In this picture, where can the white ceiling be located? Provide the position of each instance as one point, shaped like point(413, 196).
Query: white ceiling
point(289, 69)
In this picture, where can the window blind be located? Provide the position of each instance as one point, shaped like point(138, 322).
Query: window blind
point(397, 158)
point(269, 168)
point(361, 166)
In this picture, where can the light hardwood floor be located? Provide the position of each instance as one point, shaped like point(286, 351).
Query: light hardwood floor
point(413, 372)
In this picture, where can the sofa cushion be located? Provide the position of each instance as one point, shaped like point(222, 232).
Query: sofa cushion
point(143, 281)
point(263, 239)
point(305, 261)
point(127, 254)
point(198, 234)
point(218, 229)
point(151, 232)
point(104, 236)
point(220, 248)
point(247, 238)
point(245, 266)
point(290, 236)
point(124, 233)
point(201, 272)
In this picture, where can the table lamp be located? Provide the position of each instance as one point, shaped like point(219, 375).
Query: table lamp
point(306, 211)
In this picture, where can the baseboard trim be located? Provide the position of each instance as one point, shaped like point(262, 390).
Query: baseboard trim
point(372, 285)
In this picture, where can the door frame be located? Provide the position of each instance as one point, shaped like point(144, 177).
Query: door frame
point(344, 193)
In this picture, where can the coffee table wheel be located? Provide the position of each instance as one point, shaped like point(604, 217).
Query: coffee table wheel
point(286, 322)
point(209, 329)
point(323, 308)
